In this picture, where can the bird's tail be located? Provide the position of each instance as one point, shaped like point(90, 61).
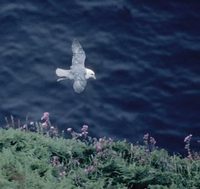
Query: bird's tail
point(63, 74)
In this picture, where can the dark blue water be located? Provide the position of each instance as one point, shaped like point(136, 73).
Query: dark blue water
point(146, 56)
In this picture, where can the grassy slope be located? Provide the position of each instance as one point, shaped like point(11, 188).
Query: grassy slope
point(26, 162)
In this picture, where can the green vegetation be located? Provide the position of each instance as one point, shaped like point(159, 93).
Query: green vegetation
point(30, 160)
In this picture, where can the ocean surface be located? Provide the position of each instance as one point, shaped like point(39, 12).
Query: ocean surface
point(146, 56)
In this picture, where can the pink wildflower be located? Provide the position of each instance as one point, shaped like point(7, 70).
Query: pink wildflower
point(84, 128)
point(98, 146)
point(45, 116)
point(187, 146)
point(62, 174)
point(69, 129)
point(55, 161)
point(188, 138)
point(152, 141)
point(85, 133)
point(90, 169)
point(45, 124)
point(146, 136)
point(24, 126)
point(101, 140)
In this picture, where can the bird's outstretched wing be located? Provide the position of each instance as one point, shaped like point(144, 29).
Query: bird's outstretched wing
point(78, 54)
point(61, 72)
point(64, 74)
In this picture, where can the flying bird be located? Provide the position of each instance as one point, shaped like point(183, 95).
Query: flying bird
point(77, 72)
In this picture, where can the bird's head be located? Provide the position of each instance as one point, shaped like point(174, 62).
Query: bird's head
point(90, 74)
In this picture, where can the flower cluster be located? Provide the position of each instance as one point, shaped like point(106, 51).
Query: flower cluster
point(59, 167)
point(149, 142)
point(187, 140)
point(76, 135)
point(47, 128)
point(84, 130)
point(102, 143)
point(46, 121)
point(90, 169)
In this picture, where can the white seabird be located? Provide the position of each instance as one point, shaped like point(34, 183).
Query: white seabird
point(77, 72)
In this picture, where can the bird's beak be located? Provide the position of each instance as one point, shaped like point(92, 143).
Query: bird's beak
point(94, 77)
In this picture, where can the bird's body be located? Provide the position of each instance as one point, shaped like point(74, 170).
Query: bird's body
point(77, 71)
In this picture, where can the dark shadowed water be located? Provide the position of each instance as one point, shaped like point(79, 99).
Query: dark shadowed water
point(146, 56)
